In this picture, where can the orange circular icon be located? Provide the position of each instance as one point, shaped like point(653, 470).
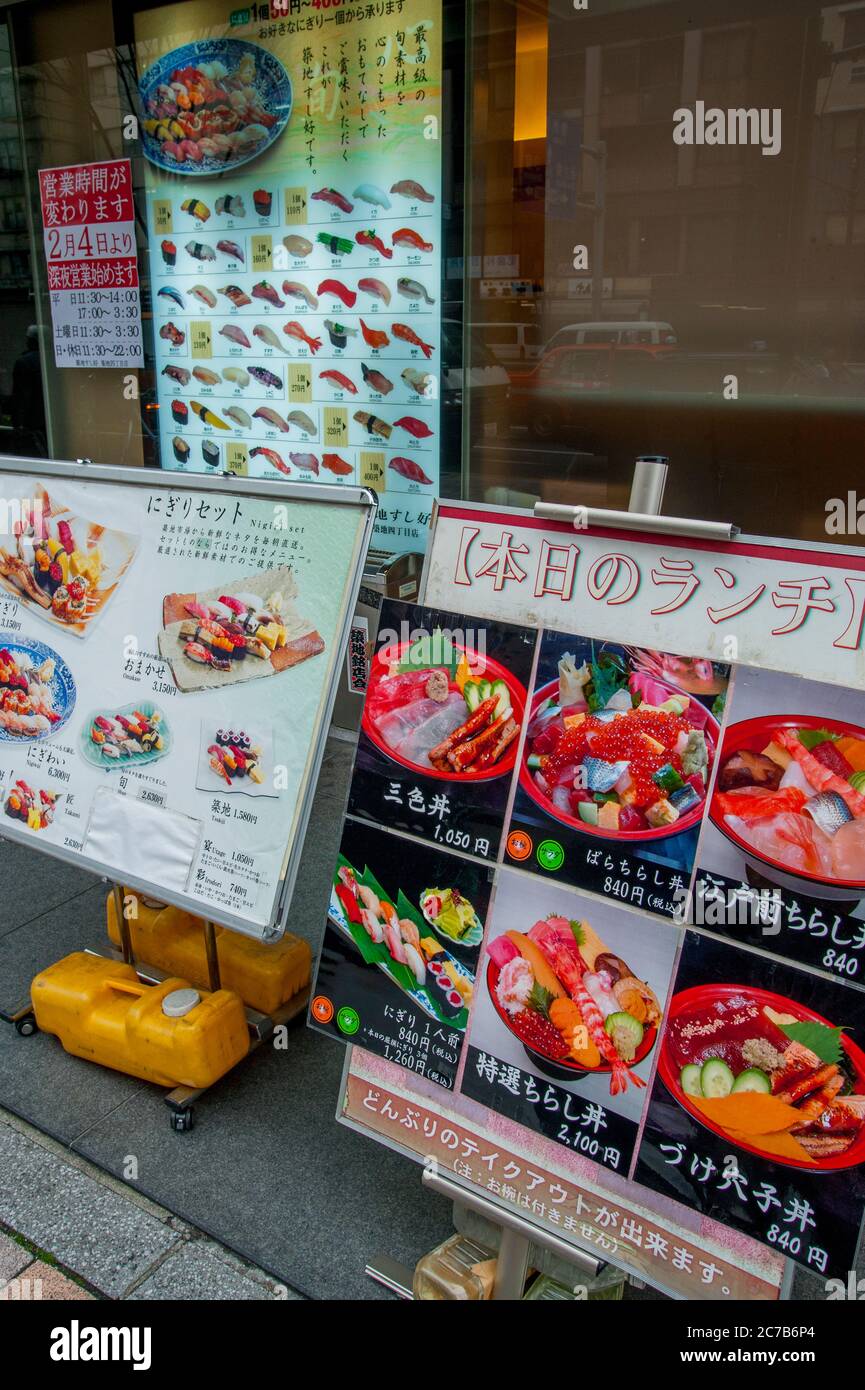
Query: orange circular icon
point(519, 845)
point(322, 1009)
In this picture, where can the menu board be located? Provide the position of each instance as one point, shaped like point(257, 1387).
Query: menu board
point(293, 180)
point(649, 800)
point(88, 219)
point(168, 657)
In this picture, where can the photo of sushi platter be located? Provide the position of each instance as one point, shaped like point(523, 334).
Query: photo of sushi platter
point(575, 1006)
point(238, 631)
point(395, 936)
point(37, 692)
point(213, 105)
point(442, 721)
point(62, 566)
point(452, 916)
point(36, 809)
point(620, 750)
point(234, 760)
point(131, 737)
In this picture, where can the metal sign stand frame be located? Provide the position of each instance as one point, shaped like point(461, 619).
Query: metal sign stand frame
point(517, 1234)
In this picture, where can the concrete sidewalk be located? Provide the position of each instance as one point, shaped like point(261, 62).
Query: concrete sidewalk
point(68, 1230)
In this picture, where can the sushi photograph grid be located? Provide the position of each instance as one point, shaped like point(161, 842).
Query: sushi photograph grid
point(441, 726)
point(615, 768)
point(757, 1112)
point(781, 862)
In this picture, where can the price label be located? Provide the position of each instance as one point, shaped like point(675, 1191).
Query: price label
point(200, 338)
point(372, 470)
point(335, 425)
point(237, 460)
point(162, 216)
point(295, 205)
point(261, 251)
point(299, 382)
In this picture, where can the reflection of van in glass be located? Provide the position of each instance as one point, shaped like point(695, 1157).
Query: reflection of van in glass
point(637, 333)
point(509, 342)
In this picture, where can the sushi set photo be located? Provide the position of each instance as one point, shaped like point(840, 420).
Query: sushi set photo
point(240, 630)
point(768, 1074)
point(36, 809)
point(236, 760)
point(392, 932)
point(576, 1007)
point(213, 105)
point(614, 748)
point(62, 566)
point(444, 709)
point(133, 736)
point(37, 692)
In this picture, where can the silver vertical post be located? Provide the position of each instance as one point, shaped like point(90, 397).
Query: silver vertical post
point(648, 484)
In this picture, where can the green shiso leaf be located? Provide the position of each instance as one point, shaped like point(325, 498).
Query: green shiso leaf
point(718, 704)
point(540, 999)
point(819, 1038)
point(811, 738)
point(433, 651)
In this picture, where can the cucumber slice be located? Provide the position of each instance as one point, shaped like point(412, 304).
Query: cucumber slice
point(588, 811)
point(626, 1033)
point(716, 1078)
point(472, 695)
point(689, 1080)
point(503, 696)
point(486, 690)
point(753, 1080)
point(535, 761)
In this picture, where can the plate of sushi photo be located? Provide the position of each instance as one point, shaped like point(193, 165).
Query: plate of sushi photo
point(235, 760)
point(36, 809)
point(613, 750)
point(451, 915)
point(443, 709)
point(37, 692)
point(63, 566)
point(790, 793)
point(576, 1007)
point(771, 1076)
point(394, 935)
point(130, 737)
point(240, 630)
point(211, 106)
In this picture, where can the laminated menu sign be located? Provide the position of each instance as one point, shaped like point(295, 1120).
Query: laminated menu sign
point(294, 224)
point(88, 217)
point(784, 841)
point(757, 1113)
point(167, 656)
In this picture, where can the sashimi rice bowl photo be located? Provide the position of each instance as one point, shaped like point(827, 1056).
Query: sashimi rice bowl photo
point(443, 709)
point(616, 752)
point(791, 793)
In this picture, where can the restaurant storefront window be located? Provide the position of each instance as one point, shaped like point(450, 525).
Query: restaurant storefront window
point(647, 228)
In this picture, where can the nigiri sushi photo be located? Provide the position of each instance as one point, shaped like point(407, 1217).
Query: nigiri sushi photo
point(235, 335)
point(373, 195)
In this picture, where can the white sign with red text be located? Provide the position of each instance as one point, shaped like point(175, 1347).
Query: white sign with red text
point(88, 218)
point(789, 606)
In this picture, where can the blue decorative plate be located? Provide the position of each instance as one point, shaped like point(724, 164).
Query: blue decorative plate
point(61, 685)
point(271, 82)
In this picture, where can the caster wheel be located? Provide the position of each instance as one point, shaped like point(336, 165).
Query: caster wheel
point(181, 1120)
point(25, 1027)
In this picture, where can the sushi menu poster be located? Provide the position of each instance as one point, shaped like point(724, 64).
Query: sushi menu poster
point(397, 969)
point(611, 797)
point(445, 707)
point(782, 856)
point(165, 659)
point(576, 1075)
point(293, 180)
point(757, 1113)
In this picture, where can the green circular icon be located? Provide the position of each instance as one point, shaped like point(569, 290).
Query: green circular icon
point(550, 855)
point(348, 1020)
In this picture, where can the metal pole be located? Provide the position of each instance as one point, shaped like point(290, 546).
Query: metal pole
point(649, 482)
point(599, 231)
point(213, 975)
point(123, 925)
point(512, 1266)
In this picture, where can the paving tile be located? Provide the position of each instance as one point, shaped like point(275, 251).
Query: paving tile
point(13, 1258)
point(197, 1270)
point(34, 882)
point(87, 1227)
point(43, 1283)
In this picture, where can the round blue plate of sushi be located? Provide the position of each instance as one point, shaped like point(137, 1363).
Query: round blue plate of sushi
point(30, 656)
point(238, 111)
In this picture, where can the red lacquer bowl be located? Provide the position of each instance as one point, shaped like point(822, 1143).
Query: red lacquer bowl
point(704, 996)
point(527, 782)
point(753, 735)
point(493, 671)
